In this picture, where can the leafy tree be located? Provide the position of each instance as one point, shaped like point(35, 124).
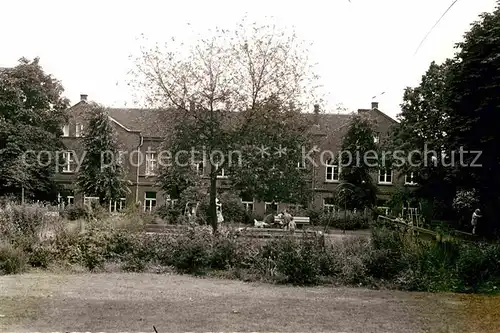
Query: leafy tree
point(454, 111)
point(277, 174)
point(420, 137)
point(474, 113)
point(31, 116)
point(357, 188)
point(101, 173)
point(222, 90)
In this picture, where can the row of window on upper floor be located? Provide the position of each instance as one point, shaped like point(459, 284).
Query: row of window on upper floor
point(385, 176)
point(332, 171)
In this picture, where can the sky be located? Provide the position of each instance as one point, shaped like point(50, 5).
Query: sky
point(362, 47)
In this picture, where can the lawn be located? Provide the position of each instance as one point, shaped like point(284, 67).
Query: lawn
point(112, 302)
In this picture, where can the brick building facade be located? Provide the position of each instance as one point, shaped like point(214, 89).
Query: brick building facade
point(139, 134)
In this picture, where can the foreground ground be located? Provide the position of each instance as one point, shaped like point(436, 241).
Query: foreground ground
point(136, 302)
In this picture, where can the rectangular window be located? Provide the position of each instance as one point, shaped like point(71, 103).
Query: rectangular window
point(301, 164)
point(65, 200)
point(249, 205)
point(118, 206)
point(332, 172)
point(79, 130)
point(68, 162)
point(199, 168)
point(88, 201)
point(151, 164)
point(376, 137)
point(65, 130)
point(383, 206)
point(385, 176)
point(271, 207)
point(221, 173)
point(328, 205)
point(410, 179)
point(149, 201)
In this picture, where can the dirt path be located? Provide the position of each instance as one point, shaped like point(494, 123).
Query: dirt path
point(136, 302)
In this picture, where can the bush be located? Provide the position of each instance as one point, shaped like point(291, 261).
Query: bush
point(392, 258)
point(296, 261)
point(223, 254)
point(170, 213)
point(314, 216)
point(232, 208)
point(477, 265)
point(348, 221)
point(25, 220)
point(42, 255)
point(92, 249)
point(12, 260)
point(346, 261)
point(73, 213)
point(192, 253)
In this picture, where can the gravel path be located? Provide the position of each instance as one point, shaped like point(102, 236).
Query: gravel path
point(135, 302)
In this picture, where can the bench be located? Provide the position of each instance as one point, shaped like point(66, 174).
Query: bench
point(299, 220)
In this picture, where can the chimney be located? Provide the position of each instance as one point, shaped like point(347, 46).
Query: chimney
point(374, 105)
point(83, 97)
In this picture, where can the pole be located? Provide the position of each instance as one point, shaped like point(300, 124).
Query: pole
point(22, 195)
point(345, 213)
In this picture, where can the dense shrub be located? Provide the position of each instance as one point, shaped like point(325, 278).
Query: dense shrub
point(91, 248)
point(347, 221)
point(74, 213)
point(192, 253)
point(22, 220)
point(346, 261)
point(294, 261)
point(223, 254)
point(479, 265)
point(12, 260)
point(42, 255)
point(390, 258)
point(171, 214)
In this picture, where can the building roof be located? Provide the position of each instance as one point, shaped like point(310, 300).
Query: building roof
point(154, 122)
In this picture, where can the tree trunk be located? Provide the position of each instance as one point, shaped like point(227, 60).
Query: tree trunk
point(212, 210)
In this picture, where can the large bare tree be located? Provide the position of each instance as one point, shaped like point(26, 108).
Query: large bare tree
point(238, 89)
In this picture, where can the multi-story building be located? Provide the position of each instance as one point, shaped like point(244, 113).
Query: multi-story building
point(139, 136)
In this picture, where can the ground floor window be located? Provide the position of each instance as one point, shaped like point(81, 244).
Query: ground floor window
point(117, 206)
point(149, 201)
point(89, 201)
point(383, 206)
point(249, 205)
point(65, 199)
point(328, 205)
point(271, 207)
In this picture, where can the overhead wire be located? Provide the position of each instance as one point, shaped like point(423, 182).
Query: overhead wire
point(426, 36)
point(434, 26)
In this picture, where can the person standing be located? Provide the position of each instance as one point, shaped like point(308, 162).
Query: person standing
point(475, 217)
point(287, 218)
point(218, 205)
